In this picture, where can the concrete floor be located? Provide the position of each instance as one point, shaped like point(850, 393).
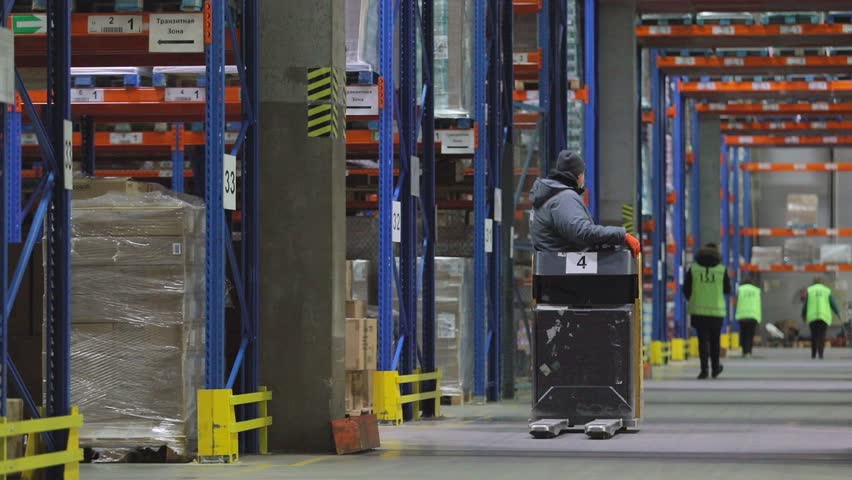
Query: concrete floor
point(778, 416)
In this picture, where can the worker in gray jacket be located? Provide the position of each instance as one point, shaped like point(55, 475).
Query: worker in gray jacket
point(562, 222)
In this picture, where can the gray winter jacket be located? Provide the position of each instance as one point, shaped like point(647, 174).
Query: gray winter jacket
point(562, 223)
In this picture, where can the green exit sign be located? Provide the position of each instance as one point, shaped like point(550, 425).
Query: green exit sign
point(29, 24)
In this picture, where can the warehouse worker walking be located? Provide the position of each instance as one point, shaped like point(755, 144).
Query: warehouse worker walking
point(749, 313)
point(817, 312)
point(561, 222)
point(705, 287)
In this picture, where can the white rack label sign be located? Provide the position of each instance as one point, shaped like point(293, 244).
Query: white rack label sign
point(194, 94)
point(442, 47)
point(521, 58)
point(660, 30)
point(87, 95)
point(229, 182)
point(581, 262)
point(459, 142)
point(131, 138)
point(396, 222)
point(176, 32)
point(362, 100)
point(29, 138)
point(498, 205)
point(7, 66)
point(723, 30)
point(231, 137)
point(791, 29)
point(489, 235)
point(115, 23)
point(414, 168)
point(68, 154)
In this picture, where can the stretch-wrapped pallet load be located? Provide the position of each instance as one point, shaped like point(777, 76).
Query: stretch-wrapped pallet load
point(358, 280)
point(766, 256)
point(802, 210)
point(454, 324)
point(835, 254)
point(137, 308)
point(799, 251)
point(362, 29)
point(453, 65)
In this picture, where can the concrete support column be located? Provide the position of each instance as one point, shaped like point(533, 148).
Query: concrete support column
point(618, 97)
point(303, 227)
point(709, 153)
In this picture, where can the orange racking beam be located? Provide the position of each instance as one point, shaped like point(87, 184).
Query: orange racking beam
point(108, 141)
point(106, 49)
point(141, 105)
point(809, 127)
point(753, 65)
point(813, 89)
point(791, 141)
point(526, 6)
point(797, 167)
point(774, 109)
point(527, 65)
point(796, 232)
point(795, 268)
point(710, 36)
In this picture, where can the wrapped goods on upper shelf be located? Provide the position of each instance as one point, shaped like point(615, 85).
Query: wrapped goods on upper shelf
point(802, 210)
point(725, 18)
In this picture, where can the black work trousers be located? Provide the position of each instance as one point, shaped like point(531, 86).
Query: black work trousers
point(747, 329)
point(818, 329)
point(709, 331)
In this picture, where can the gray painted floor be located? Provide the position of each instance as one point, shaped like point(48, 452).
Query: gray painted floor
point(779, 416)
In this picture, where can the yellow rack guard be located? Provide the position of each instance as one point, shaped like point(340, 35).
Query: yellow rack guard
point(218, 428)
point(388, 400)
point(70, 457)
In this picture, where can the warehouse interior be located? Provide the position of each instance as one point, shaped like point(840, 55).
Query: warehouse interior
point(227, 249)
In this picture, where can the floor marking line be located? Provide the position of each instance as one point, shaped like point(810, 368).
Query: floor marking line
point(310, 461)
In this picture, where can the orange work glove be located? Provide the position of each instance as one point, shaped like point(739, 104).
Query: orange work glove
point(633, 244)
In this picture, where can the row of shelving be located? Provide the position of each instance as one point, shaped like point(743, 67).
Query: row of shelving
point(714, 36)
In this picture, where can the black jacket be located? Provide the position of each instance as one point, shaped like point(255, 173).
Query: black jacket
point(561, 221)
point(708, 258)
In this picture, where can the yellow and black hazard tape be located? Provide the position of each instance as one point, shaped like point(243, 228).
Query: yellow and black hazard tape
point(323, 84)
point(323, 94)
point(322, 120)
point(628, 218)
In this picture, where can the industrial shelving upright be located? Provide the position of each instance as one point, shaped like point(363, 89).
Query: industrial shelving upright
point(52, 215)
point(68, 38)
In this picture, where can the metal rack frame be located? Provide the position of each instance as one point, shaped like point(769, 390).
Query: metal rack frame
point(52, 201)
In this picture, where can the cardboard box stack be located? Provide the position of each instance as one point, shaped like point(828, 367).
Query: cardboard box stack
point(454, 324)
point(137, 307)
point(361, 341)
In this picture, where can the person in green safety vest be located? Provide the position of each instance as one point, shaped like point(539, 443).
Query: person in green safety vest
point(749, 313)
point(705, 286)
point(817, 312)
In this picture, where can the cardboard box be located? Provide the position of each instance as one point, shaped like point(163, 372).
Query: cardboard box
point(356, 309)
point(361, 344)
point(359, 392)
point(87, 187)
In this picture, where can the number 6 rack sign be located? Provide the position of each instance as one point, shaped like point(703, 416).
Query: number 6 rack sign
point(581, 263)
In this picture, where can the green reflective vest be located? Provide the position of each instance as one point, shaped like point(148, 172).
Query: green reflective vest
point(748, 303)
point(708, 291)
point(819, 304)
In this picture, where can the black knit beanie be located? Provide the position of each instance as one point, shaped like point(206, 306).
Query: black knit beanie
point(570, 162)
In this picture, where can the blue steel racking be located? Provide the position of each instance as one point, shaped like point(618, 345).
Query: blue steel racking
point(52, 214)
point(480, 201)
point(658, 175)
point(590, 119)
point(410, 277)
point(53, 204)
point(679, 211)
